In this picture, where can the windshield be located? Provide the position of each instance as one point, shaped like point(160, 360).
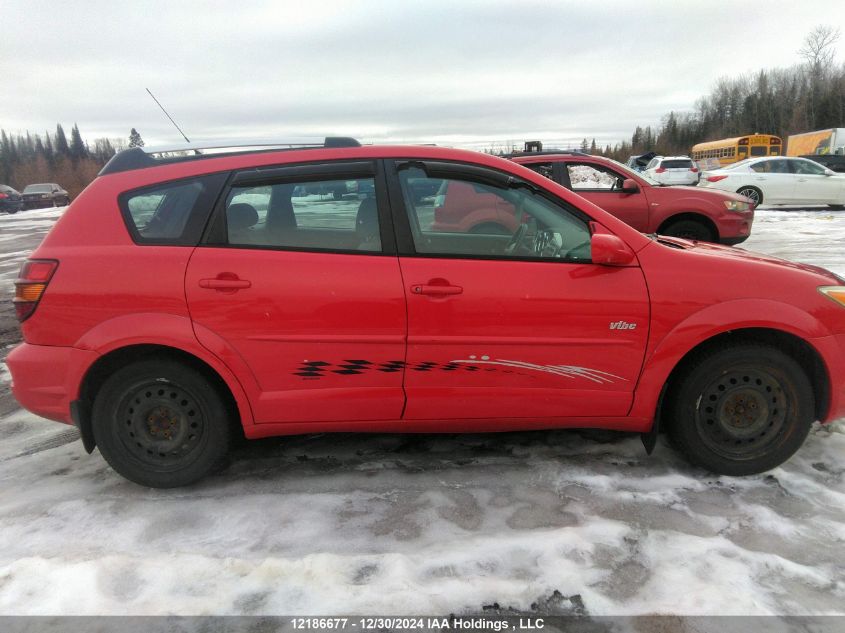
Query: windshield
point(38, 189)
point(630, 173)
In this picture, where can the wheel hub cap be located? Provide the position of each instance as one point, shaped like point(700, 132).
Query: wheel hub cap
point(742, 412)
point(160, 423)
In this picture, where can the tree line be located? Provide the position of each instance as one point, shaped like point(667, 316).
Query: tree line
point(808, 96)
point(71, 162)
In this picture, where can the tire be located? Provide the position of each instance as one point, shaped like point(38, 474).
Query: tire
point(490, 228)
point(740, 410)
point(751, 192)
point(690, 230)
point(161, 424)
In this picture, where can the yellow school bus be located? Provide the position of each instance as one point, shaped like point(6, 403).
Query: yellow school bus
point(715, 154)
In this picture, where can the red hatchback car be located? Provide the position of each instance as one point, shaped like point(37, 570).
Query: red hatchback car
point(647, 205)
point(181, 299)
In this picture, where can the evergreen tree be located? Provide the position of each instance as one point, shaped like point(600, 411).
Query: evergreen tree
point(585, 145)
point(62, 148)
point(135, 139)
point(593, 147)
point(77, 147)
point(49, 153)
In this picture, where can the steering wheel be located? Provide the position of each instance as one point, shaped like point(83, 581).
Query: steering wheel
point(516, 239)
point(573, 253)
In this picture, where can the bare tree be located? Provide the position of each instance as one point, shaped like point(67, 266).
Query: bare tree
point(819, 48)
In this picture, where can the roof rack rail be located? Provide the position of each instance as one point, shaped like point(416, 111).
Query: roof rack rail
point(141, 157)
point(548, 152)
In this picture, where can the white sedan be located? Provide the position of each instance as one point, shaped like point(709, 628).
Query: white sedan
point(779, 180)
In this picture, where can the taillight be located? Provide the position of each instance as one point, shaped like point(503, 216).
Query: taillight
point(715, 178)
point(659, 170)
point(3, 195)
point(30, 285)
point(694, 170)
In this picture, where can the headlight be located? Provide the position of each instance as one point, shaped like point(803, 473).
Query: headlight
point(836, 293)
point(736, 205)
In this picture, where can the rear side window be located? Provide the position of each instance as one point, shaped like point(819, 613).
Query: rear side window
point(172, 213)
point(325, 215)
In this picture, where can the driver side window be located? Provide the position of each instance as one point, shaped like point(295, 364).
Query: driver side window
point(468, 218)
point(586, 177)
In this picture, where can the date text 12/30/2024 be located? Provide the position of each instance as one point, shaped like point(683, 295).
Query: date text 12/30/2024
point(451, 623)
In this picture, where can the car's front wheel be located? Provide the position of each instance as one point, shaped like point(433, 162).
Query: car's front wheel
point(690, 230)
point(740, 410)
point(161, 424)
point(752, 193)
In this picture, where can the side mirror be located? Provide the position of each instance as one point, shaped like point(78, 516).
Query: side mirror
point(829, 172)
point(629, 185)
point(609, 250)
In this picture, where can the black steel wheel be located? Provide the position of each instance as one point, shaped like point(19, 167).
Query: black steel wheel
point(160, 424)
point(690, 230)
point(741, 410)
point(752, 193)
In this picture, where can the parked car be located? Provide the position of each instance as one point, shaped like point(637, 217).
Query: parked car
point(164, 313)
point(10, 200)
point(836, 162)
point(645, 204)
point(45, 195)
point(673, 170)
point(779, 180)
point(638, 162)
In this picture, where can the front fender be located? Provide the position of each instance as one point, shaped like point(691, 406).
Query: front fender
point(707, 323)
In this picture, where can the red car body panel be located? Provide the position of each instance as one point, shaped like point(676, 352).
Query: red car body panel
point(554, 358)
point(654, 207)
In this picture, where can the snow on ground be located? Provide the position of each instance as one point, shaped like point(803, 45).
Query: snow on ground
point(428, 524)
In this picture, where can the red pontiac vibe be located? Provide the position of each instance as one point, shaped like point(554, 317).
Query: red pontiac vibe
point(181, 298)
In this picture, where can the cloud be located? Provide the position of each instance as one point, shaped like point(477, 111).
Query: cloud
point(471, 72)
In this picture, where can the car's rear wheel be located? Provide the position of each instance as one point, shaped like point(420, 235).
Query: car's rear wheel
point(752, 193)
point(740, 410)
point(690, 230)
point(161, 424)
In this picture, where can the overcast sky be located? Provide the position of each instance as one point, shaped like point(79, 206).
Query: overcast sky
point(458, 72)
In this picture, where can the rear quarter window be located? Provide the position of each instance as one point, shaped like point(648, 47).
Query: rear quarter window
point(171, 213)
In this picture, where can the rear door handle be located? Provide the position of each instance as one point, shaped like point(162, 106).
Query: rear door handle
point(225, 281)
point(436, 290)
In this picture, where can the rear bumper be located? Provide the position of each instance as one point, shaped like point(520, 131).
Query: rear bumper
point(46, 379)
point(37, 204)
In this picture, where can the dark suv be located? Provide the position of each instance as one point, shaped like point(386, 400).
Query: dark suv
point(10, 200)
point(45, 195)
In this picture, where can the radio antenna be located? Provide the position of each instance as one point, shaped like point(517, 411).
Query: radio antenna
point(187, 140)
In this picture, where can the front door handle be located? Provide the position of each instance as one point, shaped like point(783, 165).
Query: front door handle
point(225, 282)
point(436, 290)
